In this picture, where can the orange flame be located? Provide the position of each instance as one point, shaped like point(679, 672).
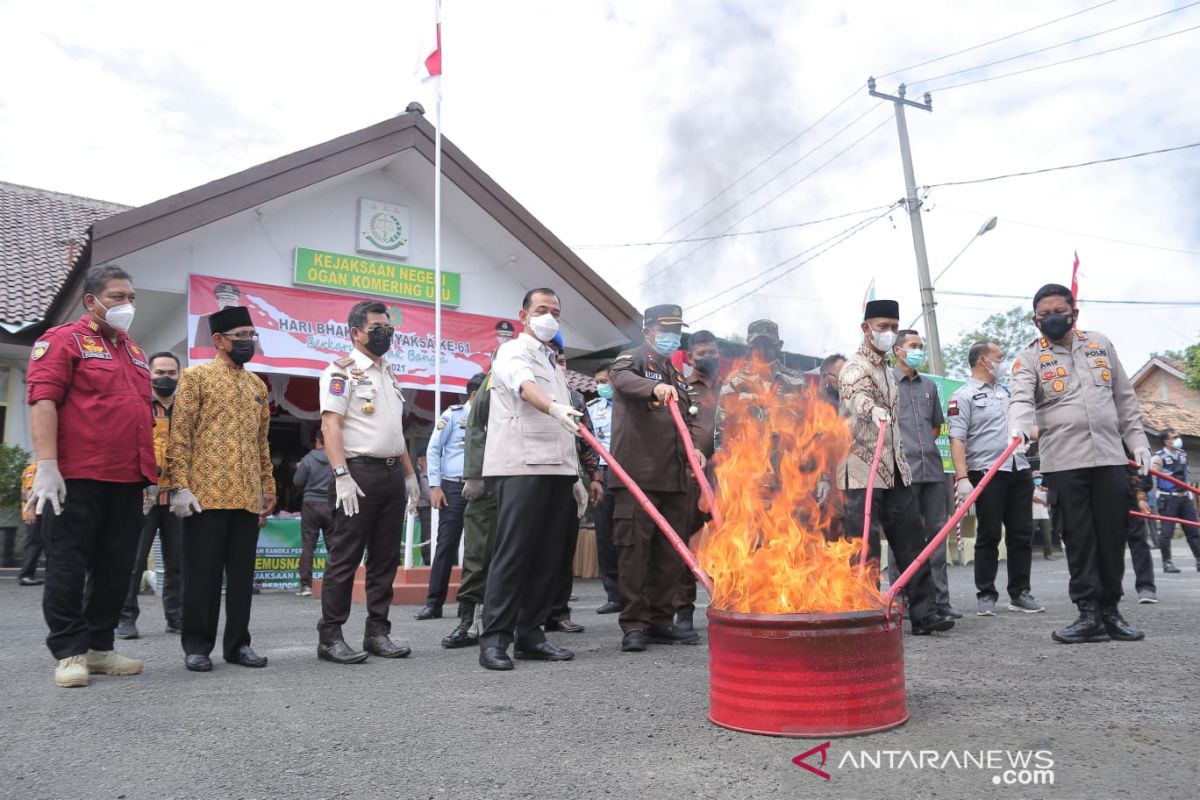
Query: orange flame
point(773, 553)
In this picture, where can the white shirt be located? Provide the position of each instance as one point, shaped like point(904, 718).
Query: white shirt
point(349, 388)
point(513, 364)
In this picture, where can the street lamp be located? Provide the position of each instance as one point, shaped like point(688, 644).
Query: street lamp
point(984, 228)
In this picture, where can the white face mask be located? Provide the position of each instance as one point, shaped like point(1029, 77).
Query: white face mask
point(544, 326)
point(119, 317)
point(883, 340)
point(1000, 369)
point(1177, 443)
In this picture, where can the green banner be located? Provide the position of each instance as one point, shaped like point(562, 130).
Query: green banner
point(369, 276)
point(946, 388)
point(277, 560)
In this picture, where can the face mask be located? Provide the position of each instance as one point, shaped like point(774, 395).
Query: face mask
point(1000, 369)
point(544, 326)
point(667, 343)
point(708, 365)
point(164, 387)
point(1177, 443)
point(1055, 326)
point(604, 390)
point(119, 317)
point(883, 340)
point(379, 340)
point(1037, 481)
point(242, 351)
point(914, 358)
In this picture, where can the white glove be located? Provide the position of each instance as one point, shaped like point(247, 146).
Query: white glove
point(48, 484)
point(824, 488)
point(150, 498)
point(1142, 457)
point(963, 489)
point(1023, 447)
point(566, 416)
point(347, 492)
point(412, 488)
point(581, 498)
point(880, 415)
point(184, 503)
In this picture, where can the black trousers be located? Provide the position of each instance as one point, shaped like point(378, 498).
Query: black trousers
point(1094, 503)
point(169, 528)
point(1139, 551)
point(218, 544)
point(1007, 500)
point(533, 512)
point(1180, 507)
point(450, 533)
point(606, 551)
point(377, 528)
point(34, 546)
point(932, 496)
point(89, 548)
point(560, 597)
point(897, 514)
point(315, 518)
point(650, 566)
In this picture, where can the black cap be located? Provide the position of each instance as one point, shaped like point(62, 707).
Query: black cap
point(229, 318)
point(504, 326)
point(885, 309)
point(663, 315)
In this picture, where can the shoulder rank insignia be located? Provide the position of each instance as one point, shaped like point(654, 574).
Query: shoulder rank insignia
point(344, 362)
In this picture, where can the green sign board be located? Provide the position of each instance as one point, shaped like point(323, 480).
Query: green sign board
point(368, 276)
point(946, 388)
point(277, 558)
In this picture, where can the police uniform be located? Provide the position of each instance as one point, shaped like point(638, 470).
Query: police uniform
point(600, 413)
point(1174, 501)
point(978, 414)
point(445, 459)
point(368, 397)
point(1086, 412)
point(646, 443)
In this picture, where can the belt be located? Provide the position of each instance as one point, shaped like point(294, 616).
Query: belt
point(452, 480)
point(374, 460)
point(1180, 493)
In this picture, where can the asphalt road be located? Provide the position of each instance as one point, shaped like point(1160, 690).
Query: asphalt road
point(1118, 719)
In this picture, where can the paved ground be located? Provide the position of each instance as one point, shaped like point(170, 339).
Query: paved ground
point(1120, 720)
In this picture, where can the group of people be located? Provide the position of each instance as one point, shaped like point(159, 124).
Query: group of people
point(129, 446)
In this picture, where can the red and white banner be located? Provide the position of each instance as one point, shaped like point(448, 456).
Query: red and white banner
point(301, 331)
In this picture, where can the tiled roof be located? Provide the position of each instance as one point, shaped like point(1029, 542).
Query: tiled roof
point(39, 232)
point(1157, 415)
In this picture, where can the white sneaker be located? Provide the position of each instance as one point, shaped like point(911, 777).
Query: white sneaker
point(70, 672)
point(110, 662)
point(304, 592)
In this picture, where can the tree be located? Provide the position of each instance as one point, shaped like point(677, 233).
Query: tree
point(1190, 359)
point(1013, 329)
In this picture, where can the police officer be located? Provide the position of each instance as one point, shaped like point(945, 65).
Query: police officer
point(1174, 501)
point(445, 458)
point(646, 443)
point(362, 413)
point(978, 436)
point(1069, 390)
point(600, 413)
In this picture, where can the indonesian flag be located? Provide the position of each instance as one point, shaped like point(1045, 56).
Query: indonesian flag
point(431, 67)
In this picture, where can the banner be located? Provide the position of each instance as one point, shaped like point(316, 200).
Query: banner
point(368, 276)
point(277, 559)
point(946, 388)
point(301, 331)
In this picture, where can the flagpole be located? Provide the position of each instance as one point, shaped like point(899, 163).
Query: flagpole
point(437, 263)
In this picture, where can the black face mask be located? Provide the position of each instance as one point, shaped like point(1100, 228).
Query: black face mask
point(164, 386)
point(1055, 326)
point(242, 351)
point(379, 340)
point(708, 365)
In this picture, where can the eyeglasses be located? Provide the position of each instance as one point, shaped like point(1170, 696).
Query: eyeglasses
point(242, 336)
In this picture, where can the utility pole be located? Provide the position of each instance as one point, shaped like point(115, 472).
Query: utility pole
point(932, 340)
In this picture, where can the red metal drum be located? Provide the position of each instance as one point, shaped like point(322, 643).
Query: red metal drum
point(810, 675)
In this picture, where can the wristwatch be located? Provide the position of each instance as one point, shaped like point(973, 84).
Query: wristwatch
point(340, 471)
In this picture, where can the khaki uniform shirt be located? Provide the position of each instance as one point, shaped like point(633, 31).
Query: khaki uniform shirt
point(867, 383)
point(368, 398)
point(218, 442)
point(1080, 399)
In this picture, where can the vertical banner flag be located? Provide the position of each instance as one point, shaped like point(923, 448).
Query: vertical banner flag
point(869, 295)
point(1075, 285)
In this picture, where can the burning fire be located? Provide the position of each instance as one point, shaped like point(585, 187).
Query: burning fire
point(771, 554)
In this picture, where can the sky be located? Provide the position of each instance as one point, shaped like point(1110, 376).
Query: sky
point(626, 122)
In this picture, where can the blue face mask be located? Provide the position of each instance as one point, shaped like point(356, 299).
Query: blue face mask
point(667, 343)
point(1037, 481)
point(604, 390)
point(914, 358)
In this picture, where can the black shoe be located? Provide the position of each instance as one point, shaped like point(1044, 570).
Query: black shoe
point(428, 612)
point(542, 651)
point(127, 629)
point(611, 607)
point(563, 626)
point(340, 653)
point(174, 627)
point(198, 663)
point(683, 621)
point(246, 657)
point(934, 623)
point(1088, 628)
point(27, 581)
point(494, 658)
point(460, 636)
point(383, 646)
point(671, 635)
point(949, 611)
point(1168, 566)
point(1118, 628)
point(633, 641)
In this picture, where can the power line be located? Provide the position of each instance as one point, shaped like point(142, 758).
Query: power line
point(731, 234)
point(1083, 300)
point(1064, 166)
point(1054, 46)
point(994, 41)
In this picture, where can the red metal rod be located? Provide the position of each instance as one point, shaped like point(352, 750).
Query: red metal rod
point(680, 547)
point(1167, 477)
point(937, 541)
point(1164, 519)
point(684, 436)
point(866, 534)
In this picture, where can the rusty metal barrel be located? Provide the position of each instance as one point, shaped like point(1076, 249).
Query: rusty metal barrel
point(806, 675)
